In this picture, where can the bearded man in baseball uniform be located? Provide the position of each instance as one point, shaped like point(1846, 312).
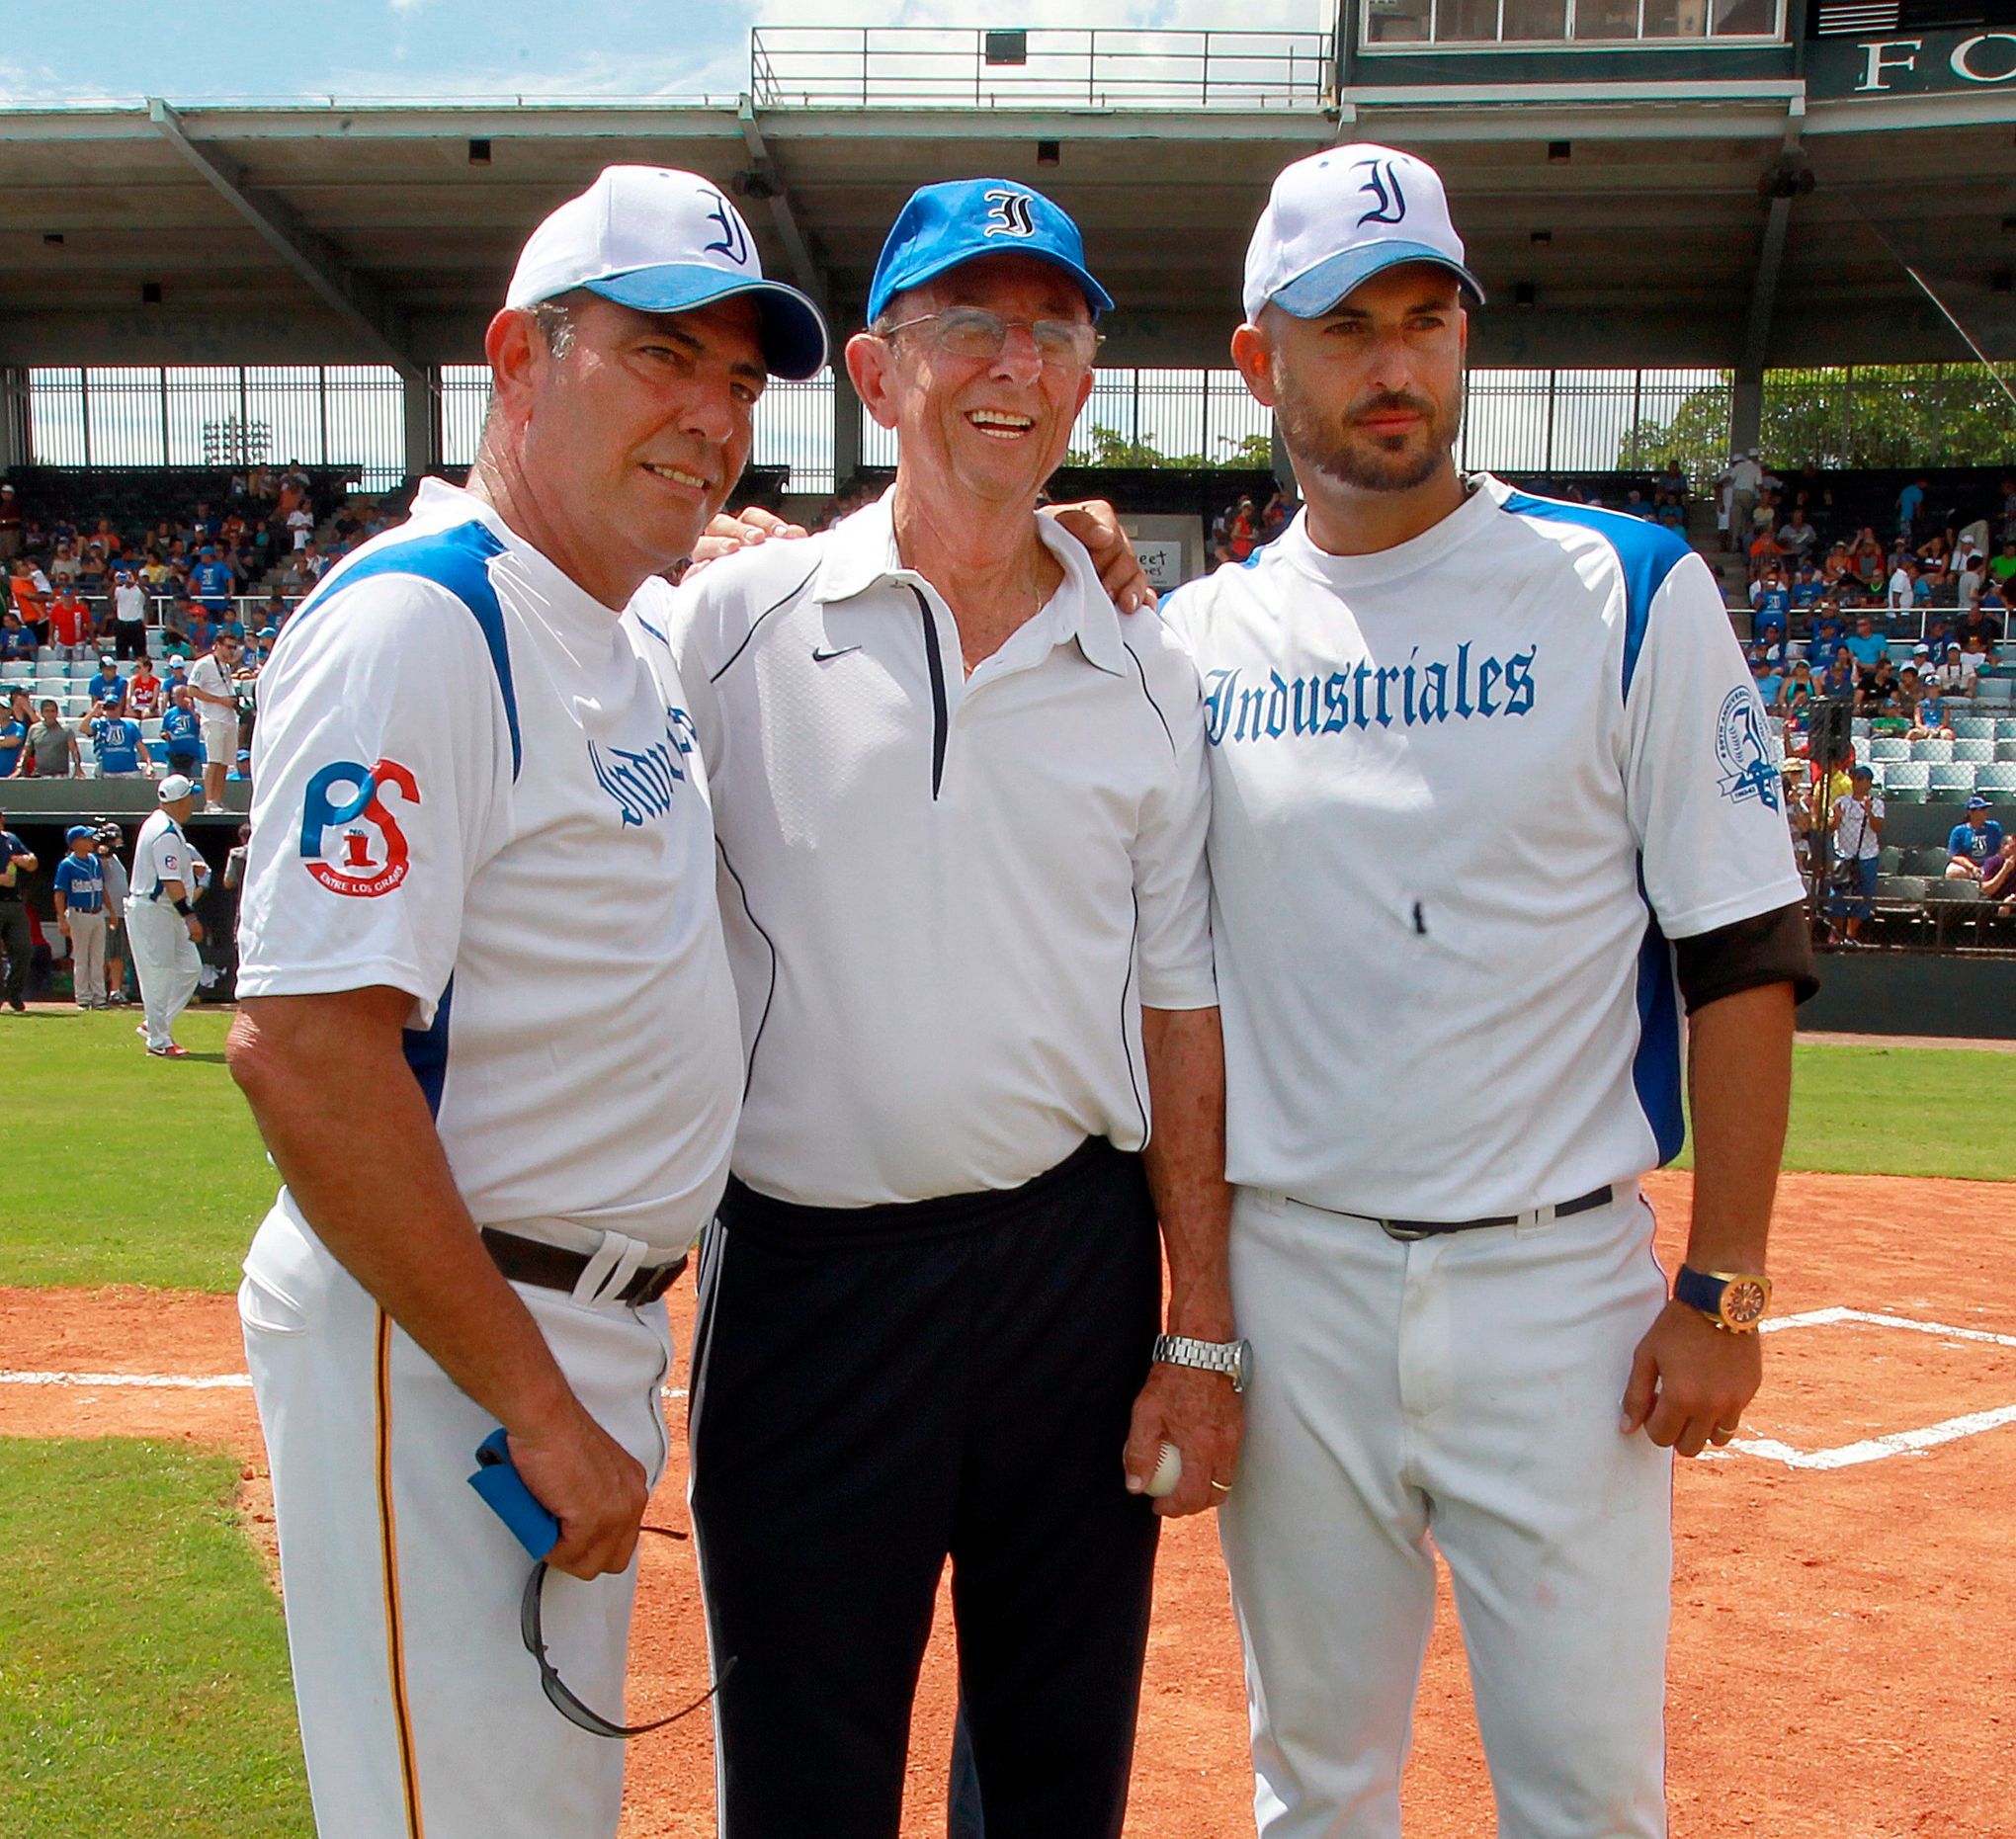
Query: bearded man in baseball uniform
point(490, 1033)
point(1493, 801)
point(961, 804)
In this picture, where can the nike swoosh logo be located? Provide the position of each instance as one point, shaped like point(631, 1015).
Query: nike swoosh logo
point(826, 657)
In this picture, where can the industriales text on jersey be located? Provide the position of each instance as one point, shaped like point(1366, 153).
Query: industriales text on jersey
point(1366, 694)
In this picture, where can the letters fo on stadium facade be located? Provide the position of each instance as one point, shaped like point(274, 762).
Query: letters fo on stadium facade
point(1729, 186)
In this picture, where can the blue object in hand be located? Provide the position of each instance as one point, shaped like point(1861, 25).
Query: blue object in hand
point(504, 1492)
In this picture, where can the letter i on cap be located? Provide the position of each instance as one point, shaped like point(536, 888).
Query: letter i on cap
point(1337, 218)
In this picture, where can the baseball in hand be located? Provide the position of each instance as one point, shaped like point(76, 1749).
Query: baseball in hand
point(1168, 1472)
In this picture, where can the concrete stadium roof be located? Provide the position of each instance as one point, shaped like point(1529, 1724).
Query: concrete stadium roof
point(334, 233)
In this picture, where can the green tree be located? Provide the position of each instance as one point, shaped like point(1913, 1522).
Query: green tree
point(1870, 415)
point(1108, 447)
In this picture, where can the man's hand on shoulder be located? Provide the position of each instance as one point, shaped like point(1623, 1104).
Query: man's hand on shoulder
point(732, 531)
point(1096, 524)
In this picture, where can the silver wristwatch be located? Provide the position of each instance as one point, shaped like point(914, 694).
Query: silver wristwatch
point(1233, 1359)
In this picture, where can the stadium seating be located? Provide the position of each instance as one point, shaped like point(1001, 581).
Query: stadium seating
point(1904, 782)
point(1889, 747)
point(1930, 749)
point(1972, 729)
point(1995, 689)
point(1980, 752)
point(1953, 778)
point(1902, 888)
point(1929, 860)
point(1998, 777)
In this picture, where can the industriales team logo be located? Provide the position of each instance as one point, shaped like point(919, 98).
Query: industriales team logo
point(1008, 215)
point(1742, 750)
point(370, 856)
point(1383, 187)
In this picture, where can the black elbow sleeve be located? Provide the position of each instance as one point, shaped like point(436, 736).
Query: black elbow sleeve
point(1771, 947)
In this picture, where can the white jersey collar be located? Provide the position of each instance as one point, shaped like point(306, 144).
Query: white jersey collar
point(1477, 509)
point(861, 554)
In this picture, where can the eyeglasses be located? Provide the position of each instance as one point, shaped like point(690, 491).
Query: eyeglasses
point(561, 1696)
point(973, 332)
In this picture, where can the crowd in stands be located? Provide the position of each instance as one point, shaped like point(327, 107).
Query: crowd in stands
point(173, 610)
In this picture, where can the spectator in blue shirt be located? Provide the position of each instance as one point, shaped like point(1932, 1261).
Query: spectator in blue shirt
point(16, 643)
point(116, 743)
point(1910, 501)
point(1829, 629)
point(181, 734)
point(108, 686)
point(1770, 683)
point(1867, 645)
point(1771, 600)
point(14, 726)
point(211, 582)
point(1806, 586)
point(1972, 844)
point(1839, 677)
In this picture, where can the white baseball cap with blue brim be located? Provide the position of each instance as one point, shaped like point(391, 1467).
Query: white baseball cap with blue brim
point(1339, 217)
point(961, 219)
point(665, 241)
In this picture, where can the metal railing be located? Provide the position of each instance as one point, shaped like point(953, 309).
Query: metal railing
point(926, 67)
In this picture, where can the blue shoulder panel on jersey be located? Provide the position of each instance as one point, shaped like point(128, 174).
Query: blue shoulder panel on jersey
point(457, 559)
point(1646, 551)
point(1655, 1067)
point(426, 1051)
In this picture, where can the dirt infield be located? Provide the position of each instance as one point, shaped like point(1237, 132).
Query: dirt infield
point(1844, 1651)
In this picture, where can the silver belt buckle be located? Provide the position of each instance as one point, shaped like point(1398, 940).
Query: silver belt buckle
point(1405, 1235)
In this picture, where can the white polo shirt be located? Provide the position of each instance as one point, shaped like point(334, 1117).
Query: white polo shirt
point(946, 897)
point(474, 784)
point(1464, 793)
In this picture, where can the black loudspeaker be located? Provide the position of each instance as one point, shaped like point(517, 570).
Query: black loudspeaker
point(1830, 731)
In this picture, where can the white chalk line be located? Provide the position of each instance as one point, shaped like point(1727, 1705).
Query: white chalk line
point(1896, 1443)
point(163, 1381)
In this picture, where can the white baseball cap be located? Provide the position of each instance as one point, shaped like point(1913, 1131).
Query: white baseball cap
point(174, 787)
point(665, 241)
point(1337, 219)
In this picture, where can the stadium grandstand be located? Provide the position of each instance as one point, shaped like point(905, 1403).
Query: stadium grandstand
point(1750, 262)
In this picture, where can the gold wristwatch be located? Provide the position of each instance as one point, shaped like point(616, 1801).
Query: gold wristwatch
point(1733, 1301)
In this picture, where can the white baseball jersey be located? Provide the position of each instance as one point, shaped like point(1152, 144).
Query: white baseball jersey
point(1464, 793)
point(475, 786)
point(947, 896)
point(160, 855)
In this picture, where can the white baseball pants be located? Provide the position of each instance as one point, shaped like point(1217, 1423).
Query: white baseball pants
point(166, 961)
point(87, 956)
point(1464, 1389)
point(421, 1711)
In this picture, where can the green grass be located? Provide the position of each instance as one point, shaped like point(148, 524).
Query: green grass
point(143, 1676)
point(119, 1168)
point(1902, 1111)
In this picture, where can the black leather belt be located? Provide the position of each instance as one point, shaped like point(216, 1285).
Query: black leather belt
point(1435, 1229)
point(532, 1261)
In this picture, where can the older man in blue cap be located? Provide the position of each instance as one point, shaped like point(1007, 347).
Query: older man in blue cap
point(960, 802)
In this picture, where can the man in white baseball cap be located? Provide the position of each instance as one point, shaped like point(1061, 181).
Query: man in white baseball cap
point(160, 917)
point(487, 1027)
point(1439, 1245)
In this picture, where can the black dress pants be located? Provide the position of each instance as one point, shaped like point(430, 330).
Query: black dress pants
point(16, 947)
point(879, 1391)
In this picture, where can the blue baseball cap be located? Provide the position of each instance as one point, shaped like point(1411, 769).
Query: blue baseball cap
point(665, 241)
point(78, 830)
point(1977, 805)
point(944, 225)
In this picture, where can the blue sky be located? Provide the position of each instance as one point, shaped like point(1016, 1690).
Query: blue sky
point(54, 50)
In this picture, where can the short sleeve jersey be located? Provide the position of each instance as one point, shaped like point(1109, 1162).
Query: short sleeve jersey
point(81, 882)
point(181, 731)
point(476, 785)
point(160, 855)
point(13, 737)
point(1465, 791)
point(1976, 844)
point(116, 743)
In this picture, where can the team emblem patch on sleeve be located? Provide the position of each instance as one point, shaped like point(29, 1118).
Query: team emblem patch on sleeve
point(1742, 750)
point(368, 855)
